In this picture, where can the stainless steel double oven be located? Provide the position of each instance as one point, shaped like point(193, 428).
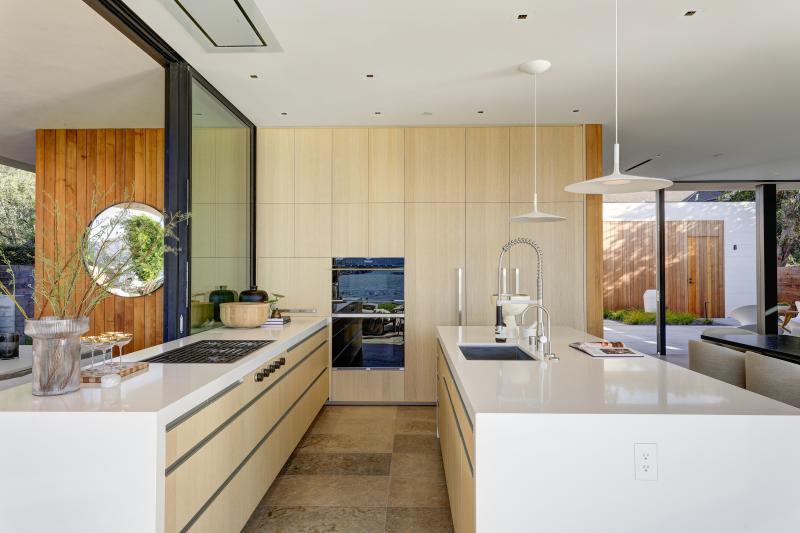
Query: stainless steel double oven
point(368, 312)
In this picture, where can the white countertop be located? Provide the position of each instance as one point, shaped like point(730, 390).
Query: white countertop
point(581, 384)
point(167, 390)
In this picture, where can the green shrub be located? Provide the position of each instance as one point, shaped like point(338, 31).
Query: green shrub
point(639, 317)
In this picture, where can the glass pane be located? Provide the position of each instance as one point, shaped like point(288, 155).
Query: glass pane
point(629, 270)
point(220, 208)
point(710, 265)
point(788, 230)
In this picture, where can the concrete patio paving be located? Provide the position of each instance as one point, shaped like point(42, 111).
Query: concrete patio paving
point(643, 339)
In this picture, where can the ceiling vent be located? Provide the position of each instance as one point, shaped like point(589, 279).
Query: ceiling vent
point(225, 25)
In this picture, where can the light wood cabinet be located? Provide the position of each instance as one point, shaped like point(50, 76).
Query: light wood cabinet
point(367, 385)
point(207, 450)
point(386, 230)
point(350, 165)
point(457, 448)
point(274, 166)
point(350, 228)
point(306, 282)
point(487, 232)
point(312, 165)
point(386, 165)
point(560, 162)
point(312, 230)
point(487, 164)
point(435, 248)
point(435, 164)
point(275, 235)
point(564, 260)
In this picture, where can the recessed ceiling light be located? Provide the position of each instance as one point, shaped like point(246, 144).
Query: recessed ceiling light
point(254, 76)
point(370, 75)
point(689, 13)
point(284, 113)
point(427, 113)
point(718, 155)
point(576, 110)
point(480, 111)
point(377, 113)
point(522, 16)
point(198, 114)
point(658, 155)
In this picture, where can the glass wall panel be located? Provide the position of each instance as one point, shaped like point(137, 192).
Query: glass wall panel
point(788, 237)
point(629, 270)
point(220, 207)
point(710, 265)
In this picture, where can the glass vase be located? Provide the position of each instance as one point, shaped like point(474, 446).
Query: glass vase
point(56, 354)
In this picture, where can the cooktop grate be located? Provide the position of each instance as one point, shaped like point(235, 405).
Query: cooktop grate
point(209, 352)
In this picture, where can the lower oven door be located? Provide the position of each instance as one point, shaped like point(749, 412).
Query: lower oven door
point(368, 341)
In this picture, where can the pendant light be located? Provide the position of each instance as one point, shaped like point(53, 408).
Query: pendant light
point(534, 68)
point(617, 182)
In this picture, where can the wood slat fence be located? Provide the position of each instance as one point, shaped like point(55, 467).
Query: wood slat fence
point(695, 262)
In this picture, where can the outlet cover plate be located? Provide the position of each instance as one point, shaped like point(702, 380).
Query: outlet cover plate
point(645, 461)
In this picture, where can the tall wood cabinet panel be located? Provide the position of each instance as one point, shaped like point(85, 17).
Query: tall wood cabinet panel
point(435, 164)
point(487, 165)
point(312, 159)
point(275, 235)
point(274, 166)
point(312, 230)
point(386, 230)
point(560, 162)
point(487, 232)
point(386, 165)
point(564, 260)
point(350, 172)
point(350, 229)
point(435, 248)
point(203, 166)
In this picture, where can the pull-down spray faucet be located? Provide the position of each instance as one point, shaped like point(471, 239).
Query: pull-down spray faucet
point(500, 327)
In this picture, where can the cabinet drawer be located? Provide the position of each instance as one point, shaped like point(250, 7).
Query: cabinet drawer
point(463, 419)
point(189, 430)
point(231, 508)
point(194, 478)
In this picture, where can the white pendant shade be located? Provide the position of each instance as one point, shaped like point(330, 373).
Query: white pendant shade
point(617, 182)
point(535, 67)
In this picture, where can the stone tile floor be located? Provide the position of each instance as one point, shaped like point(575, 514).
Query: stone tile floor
point(361, 469)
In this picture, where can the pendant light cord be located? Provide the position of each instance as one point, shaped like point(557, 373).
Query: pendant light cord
point(535, 147)
point(616, 71)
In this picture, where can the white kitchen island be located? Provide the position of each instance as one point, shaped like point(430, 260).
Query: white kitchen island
point(550, 446)
point(179, 447)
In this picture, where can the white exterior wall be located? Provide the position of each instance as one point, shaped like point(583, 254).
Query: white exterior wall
point(740, 230)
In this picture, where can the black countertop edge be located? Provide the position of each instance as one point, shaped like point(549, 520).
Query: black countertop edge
point(784, 347)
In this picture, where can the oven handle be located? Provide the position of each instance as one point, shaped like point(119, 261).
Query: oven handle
point(368, 315)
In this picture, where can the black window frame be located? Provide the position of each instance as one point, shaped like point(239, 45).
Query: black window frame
point(177, 156)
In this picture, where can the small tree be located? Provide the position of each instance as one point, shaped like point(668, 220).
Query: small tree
point(787, 221)
point(17, 214)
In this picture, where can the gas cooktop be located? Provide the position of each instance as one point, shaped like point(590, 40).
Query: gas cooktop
point(223, 351)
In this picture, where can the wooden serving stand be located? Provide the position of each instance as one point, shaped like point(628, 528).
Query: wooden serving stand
point(123, 370)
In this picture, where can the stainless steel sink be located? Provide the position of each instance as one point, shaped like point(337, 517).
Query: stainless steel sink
point(494, 353)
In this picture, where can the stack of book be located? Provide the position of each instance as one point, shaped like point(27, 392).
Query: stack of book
point(278, 321)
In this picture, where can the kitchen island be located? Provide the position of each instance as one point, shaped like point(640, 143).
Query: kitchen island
point(611, 444)
point(179, 447)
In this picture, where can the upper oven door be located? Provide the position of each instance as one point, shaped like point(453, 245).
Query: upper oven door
point(367, 285)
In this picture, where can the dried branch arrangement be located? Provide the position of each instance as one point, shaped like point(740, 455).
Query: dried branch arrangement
point(61, 289)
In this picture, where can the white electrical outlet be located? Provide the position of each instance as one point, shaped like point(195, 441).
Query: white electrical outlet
point(645, 460)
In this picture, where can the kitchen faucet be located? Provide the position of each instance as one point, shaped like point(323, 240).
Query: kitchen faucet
point(538, 340)
point(500, 327)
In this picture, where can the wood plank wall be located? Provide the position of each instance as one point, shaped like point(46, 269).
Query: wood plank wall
point(629, 265)
point(70, 166)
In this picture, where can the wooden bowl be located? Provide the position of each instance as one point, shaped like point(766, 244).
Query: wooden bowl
point(243, 314)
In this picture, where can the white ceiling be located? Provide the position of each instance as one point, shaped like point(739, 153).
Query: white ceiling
point(63, 66)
